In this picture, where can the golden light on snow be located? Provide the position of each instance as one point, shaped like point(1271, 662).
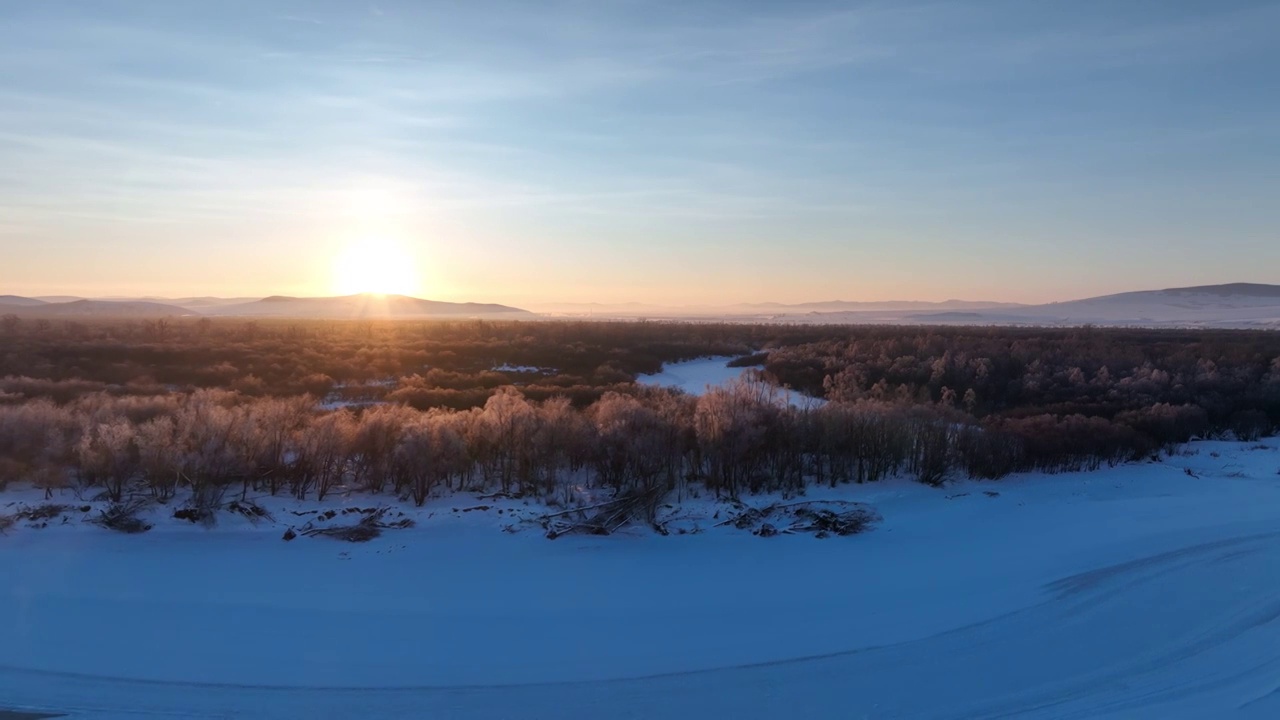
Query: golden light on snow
point(375, 265)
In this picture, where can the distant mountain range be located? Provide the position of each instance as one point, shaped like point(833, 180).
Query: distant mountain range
point(33, 307)
point(1238, 305)
point(359, 306)
point(635, 309)
point(15, 300)
point(1233, 305)
point(348, 306)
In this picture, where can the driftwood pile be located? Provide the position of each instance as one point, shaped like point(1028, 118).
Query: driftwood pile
point(207, 514)
point(250, 510)
point(38, 516)
point(605, 518)
point(369, 527)
point(123, 517)
point(821, 517)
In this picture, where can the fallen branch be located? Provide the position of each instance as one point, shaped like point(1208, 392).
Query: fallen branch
point(854, 519)
point(579, 509)
point(500, 495)
point(251, 510)
point(765, 511)
point(123, 517)
point(612, 515)
point(369, 527)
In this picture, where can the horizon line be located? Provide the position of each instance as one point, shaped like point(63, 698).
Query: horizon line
point(63, 297)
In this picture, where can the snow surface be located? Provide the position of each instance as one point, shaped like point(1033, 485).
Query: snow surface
point(508, 367)
point(694, 376)
point(338, 404)
point(1142, 591)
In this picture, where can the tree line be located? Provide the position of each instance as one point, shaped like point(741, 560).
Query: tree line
point(740, 439)
point(1233, 377)
point(545, 407)
point(455, 358)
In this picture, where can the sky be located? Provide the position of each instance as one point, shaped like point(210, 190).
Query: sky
point(662, 152)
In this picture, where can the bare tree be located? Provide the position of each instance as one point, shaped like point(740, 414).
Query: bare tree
point(323, 449)
point(106, 455)
point(160, 457)
point(428, 451)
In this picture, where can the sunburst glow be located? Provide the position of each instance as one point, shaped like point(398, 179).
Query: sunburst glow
point(375, 265)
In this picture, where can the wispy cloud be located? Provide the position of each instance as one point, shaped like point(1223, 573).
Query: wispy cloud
point(585, 120)
point(301, 19)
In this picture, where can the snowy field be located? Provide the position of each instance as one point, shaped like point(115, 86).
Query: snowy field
point(1144, 591)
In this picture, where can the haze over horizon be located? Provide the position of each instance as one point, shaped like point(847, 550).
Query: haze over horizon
point(676, 154)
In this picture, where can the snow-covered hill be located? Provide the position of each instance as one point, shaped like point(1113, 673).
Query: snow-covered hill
point(1142, 591)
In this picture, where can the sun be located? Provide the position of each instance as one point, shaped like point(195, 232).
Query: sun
point(375, 265)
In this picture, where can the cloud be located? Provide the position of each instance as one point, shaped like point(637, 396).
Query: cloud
point(301, 19)
point(634, 112)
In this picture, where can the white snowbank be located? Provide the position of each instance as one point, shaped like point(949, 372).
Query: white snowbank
point(1138, 591)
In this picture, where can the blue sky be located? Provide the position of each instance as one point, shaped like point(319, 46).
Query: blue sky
point(679, 152)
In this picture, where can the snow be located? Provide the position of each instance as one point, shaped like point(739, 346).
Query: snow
point(694, 376)
point(1138, 591)
point(508, 367)
point(338, 404)
point(357, 394)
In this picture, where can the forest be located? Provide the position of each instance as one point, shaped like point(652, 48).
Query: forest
point(546, 409)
